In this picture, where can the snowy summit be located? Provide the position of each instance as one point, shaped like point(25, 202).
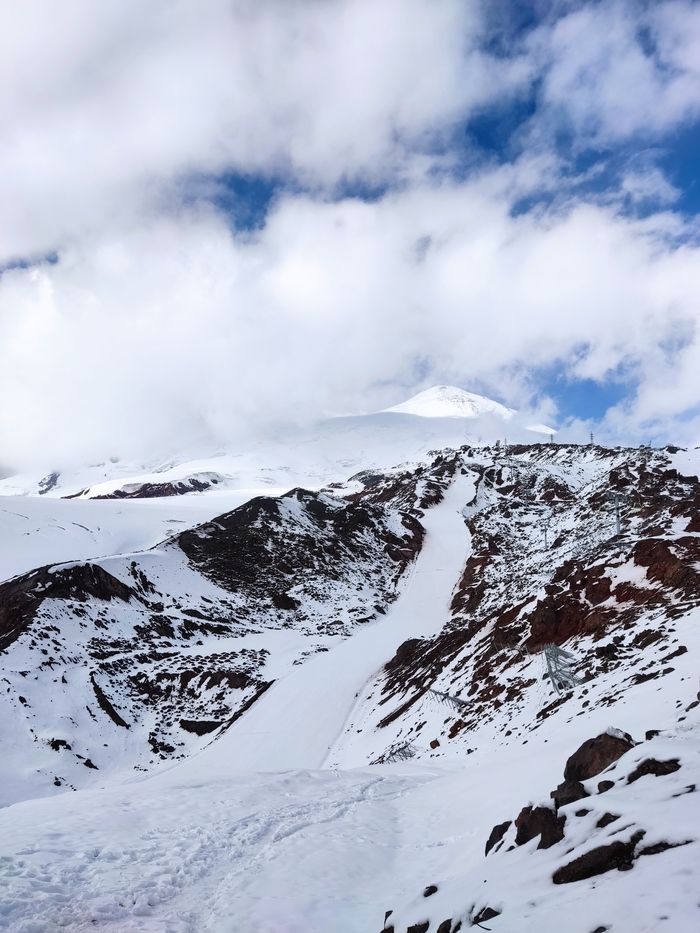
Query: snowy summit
point(451, 402)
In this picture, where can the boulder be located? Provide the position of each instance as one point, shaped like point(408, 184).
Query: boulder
point(568, 792)
point(595, 755)
point(652, 766)
point(599, 860)
point(539, 821)
point(497, 833)
point(487, 913)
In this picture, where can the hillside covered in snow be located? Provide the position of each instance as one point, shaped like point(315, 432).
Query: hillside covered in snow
point(459, 692)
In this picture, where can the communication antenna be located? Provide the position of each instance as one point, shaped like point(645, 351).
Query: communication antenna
point(559, 668)
point(591, 443)
point(551, 438)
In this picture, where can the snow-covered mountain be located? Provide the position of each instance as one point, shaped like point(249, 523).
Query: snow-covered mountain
point(317, 710)
point(451, 402)
point(311, 456)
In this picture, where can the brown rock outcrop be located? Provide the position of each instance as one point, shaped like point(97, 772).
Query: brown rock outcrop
point(595, 755)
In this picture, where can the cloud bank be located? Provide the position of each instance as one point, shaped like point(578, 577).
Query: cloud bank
point(397, 251)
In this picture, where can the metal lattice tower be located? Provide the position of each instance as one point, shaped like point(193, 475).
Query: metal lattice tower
point(559, 668)
point(448, 699)
point(617, 500)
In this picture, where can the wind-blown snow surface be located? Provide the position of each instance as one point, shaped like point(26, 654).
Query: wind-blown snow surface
point(334, 842)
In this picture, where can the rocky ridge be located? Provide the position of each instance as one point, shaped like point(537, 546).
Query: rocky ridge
point(548, 568)
point(126, 661)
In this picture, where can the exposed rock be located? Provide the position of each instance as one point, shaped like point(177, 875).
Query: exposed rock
point(497, 833)
point(199, 727)
point(568, 792)
point(157, 490)
point(419, 927)
point(603, 786)
point(21, 597)
point(606, 819)
point(486, 913)
point(599, 860)
point(663, 846)
point(539, 821)
point(430, 890)
point(105, 704)
point(595, 755)
point(47, 483)
point(652, 766)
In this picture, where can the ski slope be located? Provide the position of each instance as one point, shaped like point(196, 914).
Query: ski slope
point(295, 724)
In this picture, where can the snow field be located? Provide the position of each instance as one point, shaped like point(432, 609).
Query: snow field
point(35, 531)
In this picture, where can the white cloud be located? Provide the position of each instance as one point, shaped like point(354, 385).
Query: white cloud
point(618, 68)
point(104, 104)
point(145, 335)
point(158, 324)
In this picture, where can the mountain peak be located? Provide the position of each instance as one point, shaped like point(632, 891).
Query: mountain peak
point(451, 402)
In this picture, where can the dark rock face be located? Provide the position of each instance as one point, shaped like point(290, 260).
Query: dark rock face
point(487, 913)
point(430, 890)
point(603, 786)
point(652, 766)
point(419, 927)
point(599, 860)
point(157, 490)
point(21, 598)
point(199, 727)
point(594, 756)
point(539, 821)
point(568, 792)
point(105, 704)
point(242, 548)
point(497, 833)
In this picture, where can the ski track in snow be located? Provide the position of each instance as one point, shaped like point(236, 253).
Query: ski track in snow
point(199, 855)
point(275, 734)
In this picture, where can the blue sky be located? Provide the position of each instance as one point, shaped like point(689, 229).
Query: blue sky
point(219, 217)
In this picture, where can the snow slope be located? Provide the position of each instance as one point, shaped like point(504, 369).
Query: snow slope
point(42, 530)
point(324, 841)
